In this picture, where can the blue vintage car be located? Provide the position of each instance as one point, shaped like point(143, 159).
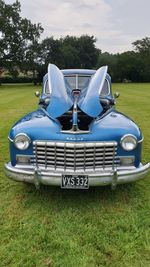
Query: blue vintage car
point(76, 138)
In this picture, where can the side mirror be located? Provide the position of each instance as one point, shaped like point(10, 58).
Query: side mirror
point(37, 93)
point(116, 95)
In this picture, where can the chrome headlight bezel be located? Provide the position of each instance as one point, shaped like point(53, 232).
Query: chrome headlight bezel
point(24, 138)
point(131, 144)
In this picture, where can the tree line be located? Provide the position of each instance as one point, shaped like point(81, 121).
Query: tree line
point(21, 50)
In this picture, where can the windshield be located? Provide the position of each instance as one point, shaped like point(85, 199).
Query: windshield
point(79, 82)
point(106, 89)
point(46, 88)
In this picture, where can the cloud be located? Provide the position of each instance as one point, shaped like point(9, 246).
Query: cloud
point(115, 24)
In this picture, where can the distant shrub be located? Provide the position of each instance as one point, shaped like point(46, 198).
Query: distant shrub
point(23, 79)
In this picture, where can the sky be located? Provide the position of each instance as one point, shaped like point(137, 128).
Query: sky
point(114, 23)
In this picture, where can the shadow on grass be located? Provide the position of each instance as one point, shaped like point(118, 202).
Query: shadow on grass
point(54, 201)
point(77, 198)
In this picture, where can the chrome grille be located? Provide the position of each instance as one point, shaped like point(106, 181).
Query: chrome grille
point(70, 156)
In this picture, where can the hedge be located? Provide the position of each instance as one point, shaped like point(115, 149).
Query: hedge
point(24, 79)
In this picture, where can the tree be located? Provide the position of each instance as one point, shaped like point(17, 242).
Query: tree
point(49, 52)
point(68, 52)
point(82, 51)
point(111, 61)
point(142, 48)
point(88, 53)
point(17, 37)
point(129, 67)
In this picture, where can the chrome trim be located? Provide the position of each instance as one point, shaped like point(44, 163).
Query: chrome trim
point(76, 81)
point(128, 135)
point(80, 144)
point(74, 132)
point(26, 156)
point(124, 157)
point(127, 157)
point(78, 74)
point(109, 92)
point(114, 180)
point(29, 157)
point(75, 156)
point(32, 167)
point(108, 177)
point(20, 134)
point(44, 88)
point(11, 140)
point(140, 141)
point(75, 114)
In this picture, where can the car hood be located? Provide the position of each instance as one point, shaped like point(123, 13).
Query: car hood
point(113, 126)
point(61, 99)
point(38, 126)
point(89, 99)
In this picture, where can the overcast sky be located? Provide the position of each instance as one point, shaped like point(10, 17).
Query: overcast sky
point(115, 23)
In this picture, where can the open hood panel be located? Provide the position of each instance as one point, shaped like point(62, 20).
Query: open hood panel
point(89, 101)
point(60, 101)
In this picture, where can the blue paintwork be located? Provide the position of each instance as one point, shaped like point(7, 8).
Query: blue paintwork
point(60, 100)
point(110, 128)
point(43, 125)
point(89, 100)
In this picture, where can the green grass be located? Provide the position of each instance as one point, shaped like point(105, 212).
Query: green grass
point(57, 228)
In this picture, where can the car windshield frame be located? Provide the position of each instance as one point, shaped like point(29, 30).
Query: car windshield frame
point(77, 84)
point(109, 91)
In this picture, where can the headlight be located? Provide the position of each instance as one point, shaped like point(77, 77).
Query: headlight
point(128, 142)
point(22, 141)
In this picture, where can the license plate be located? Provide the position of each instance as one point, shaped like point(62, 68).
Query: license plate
point(75, 182)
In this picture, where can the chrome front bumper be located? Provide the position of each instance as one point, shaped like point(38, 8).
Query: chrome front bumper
point(37, 176)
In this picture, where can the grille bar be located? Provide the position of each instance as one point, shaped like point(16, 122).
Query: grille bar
point(75, 156)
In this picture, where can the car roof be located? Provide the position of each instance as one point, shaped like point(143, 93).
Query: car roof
point(78, 71)
point(82, 72)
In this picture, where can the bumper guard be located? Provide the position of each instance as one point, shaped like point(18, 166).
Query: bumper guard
point(38, 176)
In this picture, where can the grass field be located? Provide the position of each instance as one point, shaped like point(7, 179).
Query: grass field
point(58, 228)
